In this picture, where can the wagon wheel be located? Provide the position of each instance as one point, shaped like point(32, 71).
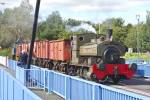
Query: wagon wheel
point(37, 62)
point(50, 65)
point(61, 67)
point(44, 64)
point(84, 73)
point(78, 72)
point(66, 68)
point(47, 64)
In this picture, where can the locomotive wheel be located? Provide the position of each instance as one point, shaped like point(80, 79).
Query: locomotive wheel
point(93, 77)
point(116, 80)
point(70, 70)
point(121, 61)
point(104, 80)
point(66, 68)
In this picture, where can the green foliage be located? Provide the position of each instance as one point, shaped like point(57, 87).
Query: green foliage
point(52, 27)
point(130, 40)
point(145, 44)
point(5, 52)
point(119, 34)
point(15, 23)
point(73, 22)
point(135, 55)
point(64, 35)
point(143, 34)
point(117, 24)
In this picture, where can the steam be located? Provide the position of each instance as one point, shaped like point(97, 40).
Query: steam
point(85, 27)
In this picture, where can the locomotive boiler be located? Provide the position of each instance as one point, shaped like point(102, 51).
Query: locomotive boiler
point(88, 55)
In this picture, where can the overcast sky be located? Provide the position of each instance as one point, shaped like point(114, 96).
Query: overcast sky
point(93, 10)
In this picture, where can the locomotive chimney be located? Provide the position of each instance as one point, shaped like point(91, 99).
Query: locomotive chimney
point(109, 34)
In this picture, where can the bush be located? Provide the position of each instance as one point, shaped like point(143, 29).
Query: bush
point(5, 52)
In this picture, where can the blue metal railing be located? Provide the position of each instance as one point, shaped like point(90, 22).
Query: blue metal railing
point(11, 89)
point(72, 88)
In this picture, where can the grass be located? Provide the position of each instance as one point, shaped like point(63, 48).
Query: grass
point(136, 55)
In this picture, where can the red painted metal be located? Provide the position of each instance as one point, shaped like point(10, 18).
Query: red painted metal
point(25, 47)
point(18, 50)
point(123, 69)
point(59, 50)
point(44, 49)
point(37, 49)
point(51, 50)
point(22, 47)
point(41, 49)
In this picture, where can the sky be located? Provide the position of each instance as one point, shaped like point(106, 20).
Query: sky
point(90, 10)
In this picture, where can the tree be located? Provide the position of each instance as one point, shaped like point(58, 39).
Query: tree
point(146, 34)
point(130, 40)
point(117, 24)
point(16, 23)
point(52, 27)
point(73, 22)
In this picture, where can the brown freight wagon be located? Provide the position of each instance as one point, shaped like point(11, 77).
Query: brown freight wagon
point(25, 47)
point(41, 49)
point(44, 49)
point(35, 49)
point(18, 50)
point(38, 49)
point(59, 50)
point(51, 50)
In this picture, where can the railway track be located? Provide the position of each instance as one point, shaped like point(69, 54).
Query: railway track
point(135, 85)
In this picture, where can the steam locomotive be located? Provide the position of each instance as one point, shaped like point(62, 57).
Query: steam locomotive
point(91, 56)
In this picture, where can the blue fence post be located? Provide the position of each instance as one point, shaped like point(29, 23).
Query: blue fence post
point(50, 81)
point(17, 73)
point(68, 88)
point(13, 90)
point(22, 94)
point(96, 92)
point(44, 79)
point(15, 65)
point(93, 92)
point(2, 83)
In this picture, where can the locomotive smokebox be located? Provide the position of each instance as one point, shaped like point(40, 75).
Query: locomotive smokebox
point(109, 34)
